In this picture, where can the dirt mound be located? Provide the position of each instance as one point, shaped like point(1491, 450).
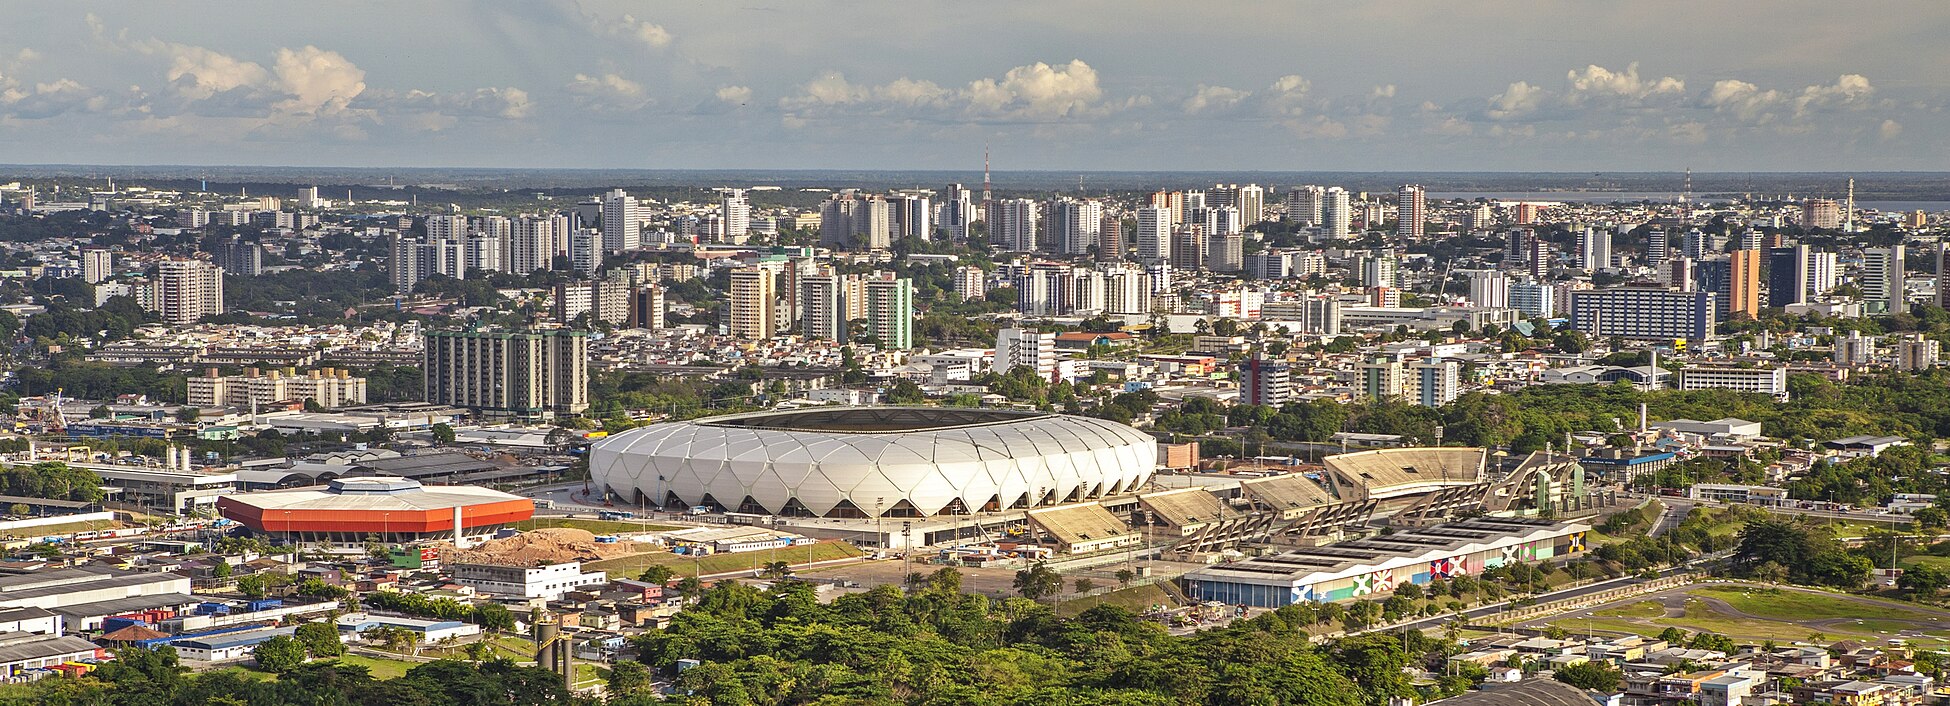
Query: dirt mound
point(542, 546)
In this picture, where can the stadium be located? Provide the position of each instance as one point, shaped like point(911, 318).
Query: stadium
point(350, 511)
point(863, 462)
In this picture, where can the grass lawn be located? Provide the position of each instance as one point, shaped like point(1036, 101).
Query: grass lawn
point(1798, 605)
point(379, 668)
point(595, 526)
point(64, 528)
point(1134, 598)
point(1643, 609)
point(631, 566)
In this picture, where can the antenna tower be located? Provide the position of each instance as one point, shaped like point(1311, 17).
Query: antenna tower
point(985, 178)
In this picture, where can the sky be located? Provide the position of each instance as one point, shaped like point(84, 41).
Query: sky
point(1405, 85)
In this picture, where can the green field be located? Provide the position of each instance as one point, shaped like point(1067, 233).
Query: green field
point(630, 566)
point(594, 526)
point(1134, 598)
point(379, 668)
point(1773, 614)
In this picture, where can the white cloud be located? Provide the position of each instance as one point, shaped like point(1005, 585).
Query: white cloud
point(1215, 98)
point(734, 94)
point(1890, 129)
point(318, 81)
point(1598, 81)
point(1849, 89)
point(198, 73)
point(1035, 92)
point(1744, 100)
point(1383, 91)
point(1518, 100)
point(651, 34)
point(608, 91)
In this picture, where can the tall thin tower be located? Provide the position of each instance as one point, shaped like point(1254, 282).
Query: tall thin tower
point(1848, 208)
point(1686, 198)
point(985, 178)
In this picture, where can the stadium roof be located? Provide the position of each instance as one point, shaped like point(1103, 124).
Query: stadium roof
point(1287, 493)
point(1187, 507)
point(1078, 524)
point(1384, 470)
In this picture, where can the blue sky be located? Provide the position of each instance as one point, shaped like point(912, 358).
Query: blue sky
point(1485, 85)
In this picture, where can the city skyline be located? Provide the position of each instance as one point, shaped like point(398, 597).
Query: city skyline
point(1499, 86)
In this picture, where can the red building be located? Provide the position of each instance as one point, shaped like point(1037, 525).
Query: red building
point(354, 511)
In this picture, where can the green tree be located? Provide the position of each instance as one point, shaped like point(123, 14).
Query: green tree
point(442, 433)
point(1594, 676)
point(657, 574)
point(627, 679)
point(1038, 581)
point(1923, 580)
point(320, 639)
point(279, 654)
point(188, 415)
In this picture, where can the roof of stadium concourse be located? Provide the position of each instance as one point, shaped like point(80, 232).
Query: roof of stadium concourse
point(1188, 506)
point(1287, 492)
point(1385, 468)
point(375, 494)
point(428, 465)
point(1447, 538)
point(871, 419)
point(1075, 524)
point(1529, 692)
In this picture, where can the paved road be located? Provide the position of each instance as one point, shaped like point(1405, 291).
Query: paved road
point(1558, 595)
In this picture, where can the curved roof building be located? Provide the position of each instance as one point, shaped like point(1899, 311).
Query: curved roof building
point(396, 510)
point(863, 461)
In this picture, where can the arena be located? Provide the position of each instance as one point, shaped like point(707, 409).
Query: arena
point(348, 512)
point(874, 461)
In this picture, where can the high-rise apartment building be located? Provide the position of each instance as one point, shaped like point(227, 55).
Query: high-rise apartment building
point(1943, 275)
point(185, 291)
point(1110, 239)
point(1012, 225)
point(890, 312)
point(971, 283)
point(1533, 299)
point(822, 307)
point(1076, 225)
point(1787, 276)
point(328, 387)
point(872, 222)
point(531, 245)
point(1655, 247)
point(647, 308)
point(1437, 382)
point(916, 216)
point(957, 211)
point(734, 214)
point(752, 304)
point(1024, 348)
point(1225, 252)
point(622, 222)
point(525, 373)
point(1265, 382)
point(1489, 288)
point(1411, 211)
point(1743, 286)
point(96, 265)
point(1594, 249)
point(1644, 313)
point(1336, 213)
point(1381, 378)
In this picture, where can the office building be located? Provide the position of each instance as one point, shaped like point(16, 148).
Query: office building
point(528, 373)
point(1188, 248)
point(622, 222)
point(1265, 382)
point(1787, 276)
point(1437, 382)
point(1882, 281)
point(185, 291)
point(1655, 247)
point(1411, 211)
point(1743, 283)
point(1153, 234)
point(957, 211)
point(1016, 348)
point(916, 216)
point(890, 312)
point(1644, 313)
point(1766, 381)
point(752, 304)
point(1269, 264)
point(96, 265)
point(1682, 273)
point(1012, 225)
